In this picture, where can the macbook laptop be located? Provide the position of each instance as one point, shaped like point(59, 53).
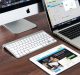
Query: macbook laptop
point(64, 19)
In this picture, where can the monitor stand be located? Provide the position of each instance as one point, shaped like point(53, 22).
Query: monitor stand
point(20, 26)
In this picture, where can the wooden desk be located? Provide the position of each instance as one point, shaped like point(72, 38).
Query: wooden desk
point(9, 65)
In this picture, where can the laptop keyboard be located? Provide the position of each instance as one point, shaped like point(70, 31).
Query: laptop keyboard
point(71, 32)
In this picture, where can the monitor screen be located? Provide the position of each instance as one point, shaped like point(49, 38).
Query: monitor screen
point(7, 5)
point(62, 11)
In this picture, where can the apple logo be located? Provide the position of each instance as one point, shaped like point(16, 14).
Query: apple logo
point(28, 11)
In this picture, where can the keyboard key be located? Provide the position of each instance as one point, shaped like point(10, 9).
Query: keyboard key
point(71, 32)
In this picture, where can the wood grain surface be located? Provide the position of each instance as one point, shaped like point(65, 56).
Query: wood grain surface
point(9, 65)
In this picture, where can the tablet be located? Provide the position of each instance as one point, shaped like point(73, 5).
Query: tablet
point(56, 60)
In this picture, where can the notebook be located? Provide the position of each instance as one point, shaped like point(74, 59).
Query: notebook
point(64, 19)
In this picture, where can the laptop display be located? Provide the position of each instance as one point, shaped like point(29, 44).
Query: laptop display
point(61, 12)
point(64, 19)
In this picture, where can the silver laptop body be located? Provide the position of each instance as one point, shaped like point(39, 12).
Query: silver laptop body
point(62, 15)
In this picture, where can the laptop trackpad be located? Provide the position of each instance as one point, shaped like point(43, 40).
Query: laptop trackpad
point(76, 42)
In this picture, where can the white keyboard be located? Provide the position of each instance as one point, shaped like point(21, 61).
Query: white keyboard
point(29, 44)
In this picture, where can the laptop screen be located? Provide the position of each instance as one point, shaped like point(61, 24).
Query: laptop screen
point(62, 11)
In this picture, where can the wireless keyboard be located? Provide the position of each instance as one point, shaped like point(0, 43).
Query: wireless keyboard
point(29, 44)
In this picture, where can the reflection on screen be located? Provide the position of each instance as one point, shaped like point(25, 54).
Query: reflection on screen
point(6, 3)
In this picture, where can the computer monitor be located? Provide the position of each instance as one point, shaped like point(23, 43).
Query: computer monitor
point(12, 13)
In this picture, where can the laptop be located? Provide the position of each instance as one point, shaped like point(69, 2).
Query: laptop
point(64, 19)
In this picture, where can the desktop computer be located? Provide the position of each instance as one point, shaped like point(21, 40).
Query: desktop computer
point(12, 13)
